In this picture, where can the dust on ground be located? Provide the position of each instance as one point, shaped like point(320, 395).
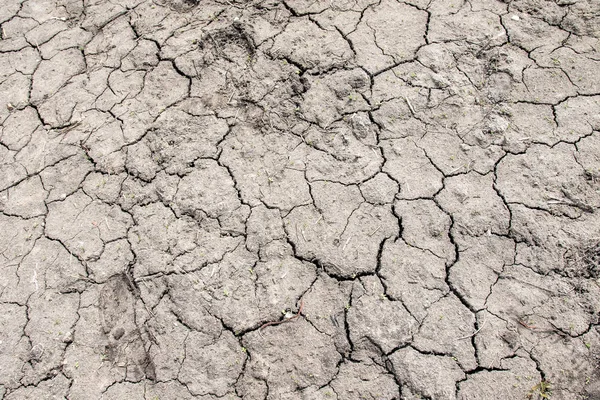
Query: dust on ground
point(299, 199)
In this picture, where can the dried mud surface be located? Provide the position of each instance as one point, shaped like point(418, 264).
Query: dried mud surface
point(345, 199)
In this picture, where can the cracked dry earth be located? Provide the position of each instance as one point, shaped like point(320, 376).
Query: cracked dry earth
point(298, 199)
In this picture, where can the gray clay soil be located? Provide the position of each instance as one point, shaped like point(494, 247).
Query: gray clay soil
point(299, 199)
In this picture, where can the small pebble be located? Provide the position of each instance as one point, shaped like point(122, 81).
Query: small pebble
point(68, 338)
point(118, 333)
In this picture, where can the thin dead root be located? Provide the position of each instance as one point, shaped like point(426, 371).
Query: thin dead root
point(472, 334)
point(286, 319)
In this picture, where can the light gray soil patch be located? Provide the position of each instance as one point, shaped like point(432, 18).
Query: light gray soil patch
point(297, 199)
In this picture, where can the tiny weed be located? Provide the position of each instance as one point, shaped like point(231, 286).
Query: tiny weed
point(540, 391)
